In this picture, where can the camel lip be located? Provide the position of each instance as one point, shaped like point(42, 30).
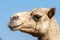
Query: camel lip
point(13, 27)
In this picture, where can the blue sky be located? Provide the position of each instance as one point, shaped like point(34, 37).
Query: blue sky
point(9, 7)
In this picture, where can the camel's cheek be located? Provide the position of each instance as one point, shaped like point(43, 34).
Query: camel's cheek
point(42, 27)
point(28, 26)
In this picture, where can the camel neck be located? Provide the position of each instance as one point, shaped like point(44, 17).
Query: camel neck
point(43, 37)
point(50, 35)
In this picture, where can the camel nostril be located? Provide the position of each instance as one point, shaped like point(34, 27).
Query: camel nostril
point(15, 18)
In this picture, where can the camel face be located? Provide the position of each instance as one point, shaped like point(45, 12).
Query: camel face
point(33, 21)
point(22, 21)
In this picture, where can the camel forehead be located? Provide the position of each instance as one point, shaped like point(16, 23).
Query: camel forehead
point(41, 10)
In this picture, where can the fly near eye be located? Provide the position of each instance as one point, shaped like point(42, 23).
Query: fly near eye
point(36, 17)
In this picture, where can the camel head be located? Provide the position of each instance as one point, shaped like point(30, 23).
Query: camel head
point(33, 22)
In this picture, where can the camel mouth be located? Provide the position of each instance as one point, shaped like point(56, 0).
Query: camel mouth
point(13, 28)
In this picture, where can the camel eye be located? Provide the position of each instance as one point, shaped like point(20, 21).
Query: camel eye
point(36, 17)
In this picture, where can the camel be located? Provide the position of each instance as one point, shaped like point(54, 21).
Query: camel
point(39, 22)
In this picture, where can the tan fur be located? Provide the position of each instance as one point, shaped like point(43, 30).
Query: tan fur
point(36, 23)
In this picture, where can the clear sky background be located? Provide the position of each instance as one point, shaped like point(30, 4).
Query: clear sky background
point(8, 7)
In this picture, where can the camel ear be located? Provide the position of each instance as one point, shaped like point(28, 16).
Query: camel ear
point(51, 12)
